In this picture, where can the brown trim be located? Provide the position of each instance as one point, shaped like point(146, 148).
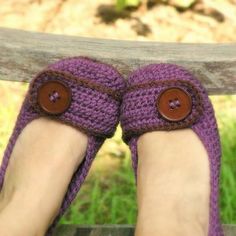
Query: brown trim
point(170, 125)
point(152, 84)
point(81, 82)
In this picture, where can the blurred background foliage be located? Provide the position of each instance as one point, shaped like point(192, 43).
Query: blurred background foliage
point(108, 195)
point(122, 4)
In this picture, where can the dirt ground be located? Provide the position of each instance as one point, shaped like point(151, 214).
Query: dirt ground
point(205, 21)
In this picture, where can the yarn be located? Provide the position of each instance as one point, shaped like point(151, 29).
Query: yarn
point(94, 110)
point(139, 114)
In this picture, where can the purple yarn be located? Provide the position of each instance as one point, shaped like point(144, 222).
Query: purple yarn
point(139, 114)
point(93, 112)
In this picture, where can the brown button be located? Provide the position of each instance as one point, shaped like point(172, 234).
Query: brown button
point(174, 104)
point(54, 97)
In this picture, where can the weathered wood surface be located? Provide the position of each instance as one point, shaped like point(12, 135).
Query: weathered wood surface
point(22, 54)
point(113, 230)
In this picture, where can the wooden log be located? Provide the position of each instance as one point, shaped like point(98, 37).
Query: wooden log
point(22, 54)
point(112, 230)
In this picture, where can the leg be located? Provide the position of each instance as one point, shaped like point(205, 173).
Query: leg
point(43, 161)
point(173, 184)
point(78, 91)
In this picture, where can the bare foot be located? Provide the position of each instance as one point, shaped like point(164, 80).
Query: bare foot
point(45, 156)
point(173, 184)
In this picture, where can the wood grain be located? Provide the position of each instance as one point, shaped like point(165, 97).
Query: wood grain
point(112, 230)
point(22, 54)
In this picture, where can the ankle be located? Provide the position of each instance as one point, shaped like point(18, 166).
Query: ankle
point(173, 198)
point(20, 224)
point(171, 220)
point(55, 153)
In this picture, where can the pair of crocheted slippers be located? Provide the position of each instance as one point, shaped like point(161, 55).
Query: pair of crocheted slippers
point(92, 96)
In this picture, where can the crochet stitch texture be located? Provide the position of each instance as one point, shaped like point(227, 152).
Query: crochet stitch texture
point(139, 114)
point(94, 109)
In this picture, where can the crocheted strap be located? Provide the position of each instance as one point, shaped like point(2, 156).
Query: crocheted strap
point(140, 112)
point(80, 82)
point(93, 108)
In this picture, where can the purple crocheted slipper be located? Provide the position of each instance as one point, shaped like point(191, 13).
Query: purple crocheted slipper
point(168, 97)
point(80, 92)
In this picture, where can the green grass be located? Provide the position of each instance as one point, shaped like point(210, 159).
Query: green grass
point(108, 199)
point(227, 125)
point(108, 195)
